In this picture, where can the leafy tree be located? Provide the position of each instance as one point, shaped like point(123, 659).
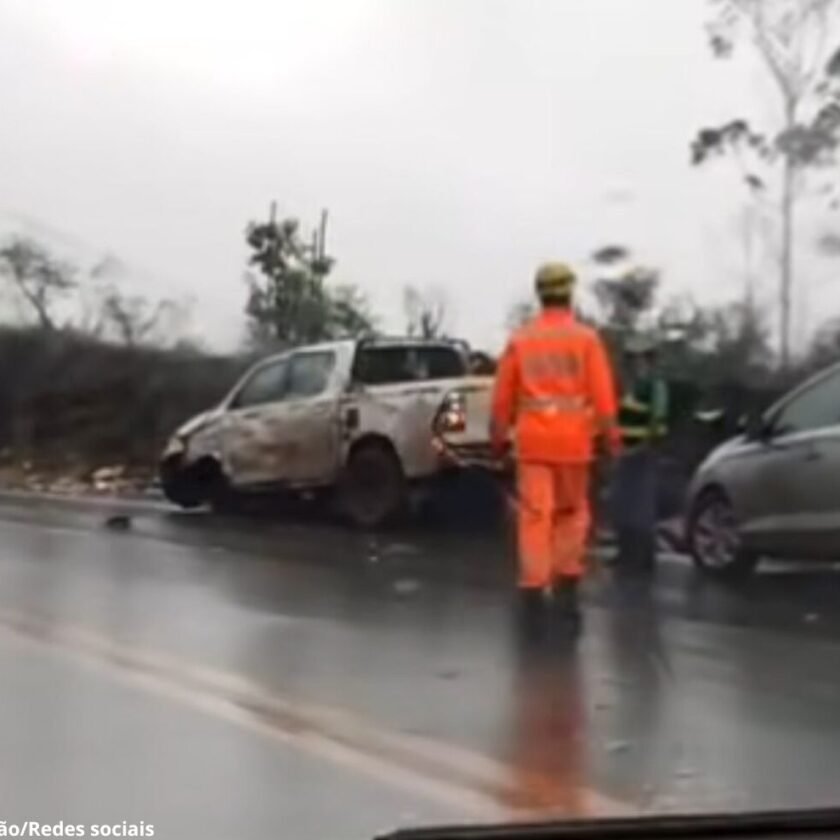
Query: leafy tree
point(37, 277)
point(625, 299)
point(625, 292)
point(790, 39)
point(288, 301)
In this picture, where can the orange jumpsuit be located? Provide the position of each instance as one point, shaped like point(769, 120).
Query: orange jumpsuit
point(555, 390)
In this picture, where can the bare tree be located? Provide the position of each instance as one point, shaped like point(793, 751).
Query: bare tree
point(104, 276)
point(110, 312)
point(425, 312)
point(134, 319)
point(37, 277)
point(790, 37)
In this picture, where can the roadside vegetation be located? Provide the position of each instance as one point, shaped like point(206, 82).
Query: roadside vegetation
point(88, 399)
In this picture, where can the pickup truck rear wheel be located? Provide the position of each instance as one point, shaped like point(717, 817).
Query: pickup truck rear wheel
point(373, 489)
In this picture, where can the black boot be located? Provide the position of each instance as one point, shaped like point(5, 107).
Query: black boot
point(531, 614)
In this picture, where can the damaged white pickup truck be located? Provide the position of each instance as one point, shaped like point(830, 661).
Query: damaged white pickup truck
point(355, 416)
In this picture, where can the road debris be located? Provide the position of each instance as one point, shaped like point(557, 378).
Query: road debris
point(106, 478)
point(118, 522)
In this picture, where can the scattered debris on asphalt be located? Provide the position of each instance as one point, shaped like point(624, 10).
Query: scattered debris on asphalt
point(118, 522)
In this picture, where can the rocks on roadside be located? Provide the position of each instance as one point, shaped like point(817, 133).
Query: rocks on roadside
point(112, 480)
point(107, 479)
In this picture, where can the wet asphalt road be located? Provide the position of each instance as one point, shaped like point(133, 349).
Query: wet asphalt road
point(249, 678)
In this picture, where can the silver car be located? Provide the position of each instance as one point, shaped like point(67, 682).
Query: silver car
point(773, 491)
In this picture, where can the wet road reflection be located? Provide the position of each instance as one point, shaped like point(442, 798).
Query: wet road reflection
point(639, 666)
point(546, 732)
point(680, 694)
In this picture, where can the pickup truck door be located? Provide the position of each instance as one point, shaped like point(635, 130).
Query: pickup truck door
point(310, 419)
point(253, 448)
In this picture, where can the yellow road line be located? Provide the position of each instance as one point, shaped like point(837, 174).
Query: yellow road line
point(472, 784)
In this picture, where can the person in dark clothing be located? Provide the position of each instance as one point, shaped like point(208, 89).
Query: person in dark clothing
point(643, 419)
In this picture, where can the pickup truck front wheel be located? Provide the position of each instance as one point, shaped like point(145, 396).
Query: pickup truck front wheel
point(373, 488)
point(193, 485)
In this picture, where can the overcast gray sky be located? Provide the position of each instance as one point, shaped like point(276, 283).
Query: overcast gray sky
point(455, 142)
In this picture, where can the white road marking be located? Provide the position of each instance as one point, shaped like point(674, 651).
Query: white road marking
point(468, 782)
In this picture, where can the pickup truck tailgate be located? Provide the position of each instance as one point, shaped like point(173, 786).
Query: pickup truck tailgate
point(465, 426)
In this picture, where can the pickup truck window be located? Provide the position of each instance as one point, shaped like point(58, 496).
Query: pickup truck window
point(395, 365)
point(266, 384)
point(309, 374)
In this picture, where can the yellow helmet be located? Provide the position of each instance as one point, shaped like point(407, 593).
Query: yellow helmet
point(554, 278)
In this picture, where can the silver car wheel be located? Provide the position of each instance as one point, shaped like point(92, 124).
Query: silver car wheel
point(715, 538)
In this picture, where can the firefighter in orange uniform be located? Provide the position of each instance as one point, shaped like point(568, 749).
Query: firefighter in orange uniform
point(554, 390)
